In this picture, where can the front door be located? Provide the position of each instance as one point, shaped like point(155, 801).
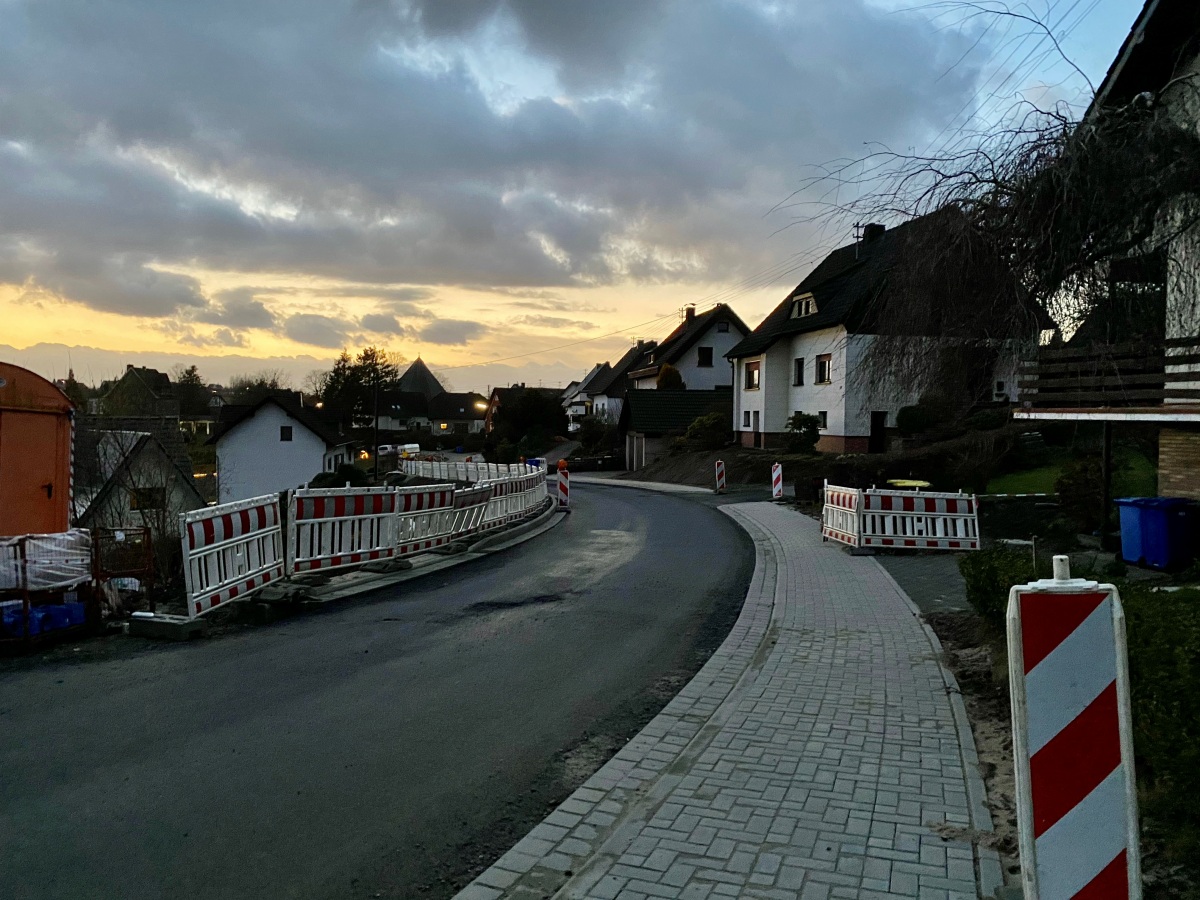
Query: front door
point(755, 427)
point(877, 442)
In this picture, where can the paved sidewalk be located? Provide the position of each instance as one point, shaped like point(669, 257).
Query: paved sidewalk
point(821, 752)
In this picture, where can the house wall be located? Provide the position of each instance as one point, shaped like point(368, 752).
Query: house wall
point(696, 378)
point(1179, 462)
point(641, 451)
point(148, 470)
point(252, 460)
point(607, 408)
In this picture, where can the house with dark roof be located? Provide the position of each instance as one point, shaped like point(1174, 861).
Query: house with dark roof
point(139, 392)
point(136, 484)
point(697, 348)
point(404, 411)
point(650, 420)
point(500, 395)
point(458, 412)
point(607, 392)
point(274, 445)
point(808, 354)
point(577, 400)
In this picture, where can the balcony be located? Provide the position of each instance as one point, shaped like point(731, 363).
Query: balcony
point(1136, 381)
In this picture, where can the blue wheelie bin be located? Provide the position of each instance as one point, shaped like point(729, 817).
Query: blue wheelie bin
point(1159, 532)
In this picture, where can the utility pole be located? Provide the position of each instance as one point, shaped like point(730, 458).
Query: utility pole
point(375, 426)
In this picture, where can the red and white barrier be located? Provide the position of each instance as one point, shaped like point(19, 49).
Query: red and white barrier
point(564, 489)
point(425, 518)
point(332, 528)
point(1072, 739)
point(776, 481)
point(230, 551)
point(840, 515)
point(720, 476)
point(918, 520)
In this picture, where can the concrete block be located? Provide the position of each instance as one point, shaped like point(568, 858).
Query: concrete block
point(163, 627)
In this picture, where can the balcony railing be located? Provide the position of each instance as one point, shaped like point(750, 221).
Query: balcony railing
point(1113, 375)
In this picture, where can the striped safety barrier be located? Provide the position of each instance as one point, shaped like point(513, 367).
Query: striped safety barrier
point(776, 481)
point(920, 520)
point(564, 489)
point(720, 476)
point(331, 528)
point(839, 515)
point(1072, 739)
point(231, 551)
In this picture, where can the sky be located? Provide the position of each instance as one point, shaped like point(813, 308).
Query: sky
point(512, 190)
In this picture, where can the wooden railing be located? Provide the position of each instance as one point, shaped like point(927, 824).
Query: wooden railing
point(1131, 374)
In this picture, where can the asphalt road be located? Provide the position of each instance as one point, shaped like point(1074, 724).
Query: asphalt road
point(391, 747)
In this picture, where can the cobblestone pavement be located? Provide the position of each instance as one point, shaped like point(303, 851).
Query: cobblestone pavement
point(821, 752)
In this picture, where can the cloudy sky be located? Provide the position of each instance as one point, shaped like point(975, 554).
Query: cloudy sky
point(512, 189)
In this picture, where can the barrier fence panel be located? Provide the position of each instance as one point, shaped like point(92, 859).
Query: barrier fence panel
point(919, 519)
point(330, 528)
point(424, 518)
point(840, 515)
point(470, 504)
point(231, 551)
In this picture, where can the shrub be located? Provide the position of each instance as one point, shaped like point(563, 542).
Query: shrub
point(989, 575)
point(803, 433)
point(596, 435)
point(924, 416)
point(669, 379)
point(987, 419)
point(709, 432)
point(506, 452)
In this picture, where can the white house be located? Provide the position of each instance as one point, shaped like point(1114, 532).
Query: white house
point(608, 390)
point(577, 397)
point(272, 446)
point(807, 355)
point(697, 348)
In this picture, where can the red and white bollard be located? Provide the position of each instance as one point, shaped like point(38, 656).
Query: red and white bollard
point(564, 489)
point(776, 481)
point(720, 476)
point(1072, 739)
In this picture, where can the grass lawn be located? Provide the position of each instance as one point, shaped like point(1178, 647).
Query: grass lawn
point(1135, 476)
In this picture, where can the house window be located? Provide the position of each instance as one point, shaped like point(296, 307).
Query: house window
point(824, 369)
point(752, 375)
point(285, 432)
point(746, 419)
point(803, 306)
point(706, 358)
point(148, 498)
point(798, 371)
point(823, 419)
point(722, 328)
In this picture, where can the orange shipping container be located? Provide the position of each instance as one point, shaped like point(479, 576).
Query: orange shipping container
point(35, 454)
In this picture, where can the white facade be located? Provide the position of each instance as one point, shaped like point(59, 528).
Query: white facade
point(704, 378)
point(254, 458)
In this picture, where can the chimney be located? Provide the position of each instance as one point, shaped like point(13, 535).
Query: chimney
point(689, 312)
point(128, 367)
point(873, 231)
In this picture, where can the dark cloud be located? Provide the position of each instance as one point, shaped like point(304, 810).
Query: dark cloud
point(317, 330)
point(365, 143)
point(237, 308)
point(451, 331)
point(380, 323)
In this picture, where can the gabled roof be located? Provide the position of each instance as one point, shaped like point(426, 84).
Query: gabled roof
point(156, 382)
point(672, 348)
point(450, 406)
point(419, 380)
point(144, 443)
point(1165, 35)
point(662, 412)
point(234, 415)
point(615, 383)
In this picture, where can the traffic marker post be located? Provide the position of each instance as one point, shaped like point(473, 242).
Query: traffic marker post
point(776, 481)
point(720, 476)
point(564, 489)
point(1072, 739)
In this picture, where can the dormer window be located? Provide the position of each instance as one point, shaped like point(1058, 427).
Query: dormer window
point(803, 305)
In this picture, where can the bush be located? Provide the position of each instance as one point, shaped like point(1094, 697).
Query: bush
point(709, 432)
point(506, 452)
point(803, 433)
point(987, 419)
point(352, 475)
point(989, 575)
point(596, 435)
point(669, 379)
